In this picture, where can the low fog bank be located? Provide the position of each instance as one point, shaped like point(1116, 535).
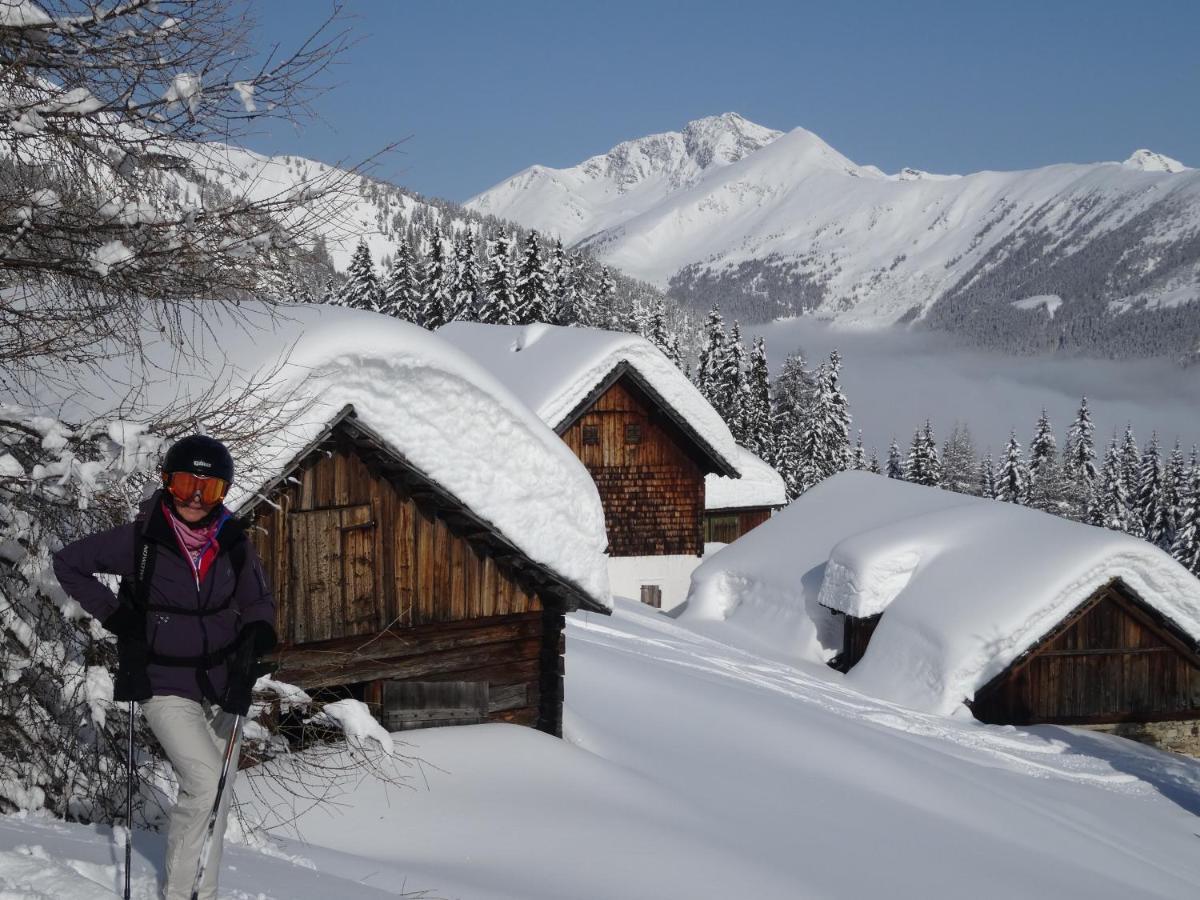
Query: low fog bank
point(896, 379)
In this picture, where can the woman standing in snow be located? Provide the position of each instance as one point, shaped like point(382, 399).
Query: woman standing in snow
point(193, 612)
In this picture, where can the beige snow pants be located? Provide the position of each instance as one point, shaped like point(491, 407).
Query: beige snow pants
point(193, 736)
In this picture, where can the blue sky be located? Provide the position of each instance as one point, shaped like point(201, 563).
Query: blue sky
point(481, 90)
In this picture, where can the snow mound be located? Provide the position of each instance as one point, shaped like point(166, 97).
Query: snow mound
point(1049, 302)
point(760, 485)
point(554, 368)
point(353, 718)
point(964, 585)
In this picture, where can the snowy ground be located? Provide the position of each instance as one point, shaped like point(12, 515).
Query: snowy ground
point(694, 769)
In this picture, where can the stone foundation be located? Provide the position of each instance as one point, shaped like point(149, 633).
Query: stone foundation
point(1178, 737)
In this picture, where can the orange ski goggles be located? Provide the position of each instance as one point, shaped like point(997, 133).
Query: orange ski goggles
point(185, 487)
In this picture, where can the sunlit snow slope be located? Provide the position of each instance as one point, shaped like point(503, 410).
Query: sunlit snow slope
point(693, 769)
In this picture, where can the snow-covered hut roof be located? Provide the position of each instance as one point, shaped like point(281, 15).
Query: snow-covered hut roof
point(445, 415)
point(558, 371)
point(965, 585)
point(760, 485)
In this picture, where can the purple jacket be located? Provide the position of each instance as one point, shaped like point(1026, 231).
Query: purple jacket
point(245, 598)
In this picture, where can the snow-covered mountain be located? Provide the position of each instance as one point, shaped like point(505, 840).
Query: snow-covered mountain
point(772, 224)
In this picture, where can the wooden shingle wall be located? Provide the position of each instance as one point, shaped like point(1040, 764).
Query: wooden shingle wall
point(651, 489)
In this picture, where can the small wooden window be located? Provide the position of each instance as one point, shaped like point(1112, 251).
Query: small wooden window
point(633, 434)
point(721, 529)
point(591, 435)
point(423, 704)
point(652, 595)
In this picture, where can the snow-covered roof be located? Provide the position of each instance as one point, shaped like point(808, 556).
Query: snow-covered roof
point(760, 485)
point(554, 369)
point(443, 413)
point(966, 585)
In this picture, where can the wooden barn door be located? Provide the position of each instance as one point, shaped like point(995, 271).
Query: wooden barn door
point(332, 572)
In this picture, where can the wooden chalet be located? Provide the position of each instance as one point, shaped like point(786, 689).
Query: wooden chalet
point(648, 463)
point(734, 507)
point(392, 591)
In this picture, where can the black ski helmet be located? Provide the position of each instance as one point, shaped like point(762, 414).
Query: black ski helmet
point(200, 455)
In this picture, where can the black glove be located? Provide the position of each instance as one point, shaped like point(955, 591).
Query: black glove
point(255, 639)
point(132, 681)
point(261, 635)
point(124, 622)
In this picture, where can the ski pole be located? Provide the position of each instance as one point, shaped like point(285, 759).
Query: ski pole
point(206, 848)
point(131, 776)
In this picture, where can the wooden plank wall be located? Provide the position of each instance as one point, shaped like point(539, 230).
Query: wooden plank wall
point(652, 490)
point(726, 526)
point(1111, 665)
point(397, 563)
point(855, 638)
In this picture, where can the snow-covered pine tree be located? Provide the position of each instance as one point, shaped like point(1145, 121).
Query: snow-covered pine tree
point(500, 303)
point(758, 436)
point(858, 457)
point(835, 421)
point(895, 462)
point(402, 290)
point(1109, 505)
point(1148, 504)
point(731, 384)
point(1174, 490)
point(923, 465)
point(1079, 455)
point(1186, 546)
point(1131, 461)
point(987, 478)
point(436, 301)
point(533, 284)
point(361, 287)
point(329, 294)
point(657, 332)
point(1012, 482)
point(1043, 449)
point(465, 297)
point(711, 360)
point(604, 305)
point(873, 465)
point(960, 469)
point(564, 309)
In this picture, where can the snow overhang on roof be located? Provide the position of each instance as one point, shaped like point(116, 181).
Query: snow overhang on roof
point(964, 585)
point(759, 486)
point(560, 371)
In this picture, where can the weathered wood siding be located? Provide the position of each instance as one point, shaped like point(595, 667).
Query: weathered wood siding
point(1110, 662)
point(727, 525)
point(856, 635)
point(651, 488)
point(374, 586)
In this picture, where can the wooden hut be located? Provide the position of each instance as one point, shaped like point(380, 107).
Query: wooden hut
point(639, 426)
point(734, 507)
point(940, 601)
point(392, 590)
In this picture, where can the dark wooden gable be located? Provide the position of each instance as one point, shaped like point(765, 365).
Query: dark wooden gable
point(1114, 659)
point(650, 477)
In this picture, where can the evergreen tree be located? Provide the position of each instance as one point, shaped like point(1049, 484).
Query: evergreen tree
point(361, 288)
point(586, 285)
point(436, 302)
point(1079, 455)
point(923, 465)
point(895, 463)
point(1130, 463)
point(402, 290)
point(1148, 504)
point(656, 331)
point(730, 384)
point(1043, 449)
point(960, 470)
point(758, 434)
point(835, 416)
point(604, 306)
point(858, 457)
point(873, 466)
point(465, 298)
point(562, 287)
point(500, 296)
point(329, 294)
point(1109, 506)
point(1186, 546)
point(533, 284)
point(987, 478)
point(1012, 483)
point(1049, 490)
point(712, 356)
point(1174, 490)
